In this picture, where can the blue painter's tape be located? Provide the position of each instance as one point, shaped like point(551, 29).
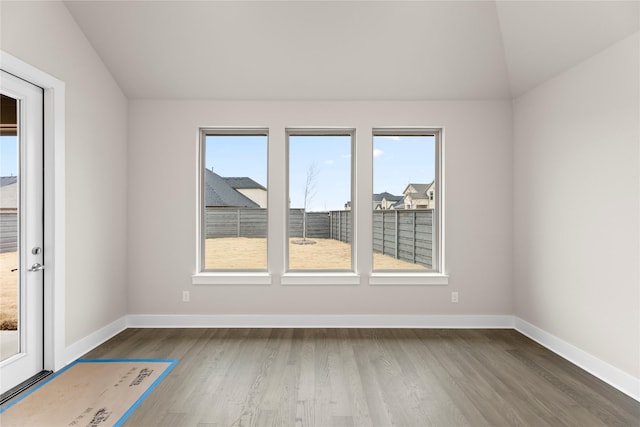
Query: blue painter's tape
point(137, 403)
point(172, 363)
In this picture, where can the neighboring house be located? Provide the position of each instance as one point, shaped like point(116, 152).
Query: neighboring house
point(419, 196)
point(9, 194)
point(399, 205)
point(222, 192)
point(385, 200)
point(249, 188)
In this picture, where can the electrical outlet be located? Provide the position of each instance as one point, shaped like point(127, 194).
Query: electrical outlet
point(186, 297)
point(454, 296)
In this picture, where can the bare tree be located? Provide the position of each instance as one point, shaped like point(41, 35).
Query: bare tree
point(309, 193)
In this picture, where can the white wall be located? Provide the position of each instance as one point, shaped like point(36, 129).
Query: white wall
point(576, 206)
point(45, 35)
point(162, 230)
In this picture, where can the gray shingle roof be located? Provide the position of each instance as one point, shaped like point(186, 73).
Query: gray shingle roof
point(420, 188)
point(242, 182)
point(377, 197)
point(218, 192)
point(8, 180)
point(399, 205)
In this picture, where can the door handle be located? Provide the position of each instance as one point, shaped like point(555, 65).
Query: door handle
point(36, 267)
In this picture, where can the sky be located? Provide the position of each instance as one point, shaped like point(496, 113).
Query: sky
point(8, 159)
point(397, 161)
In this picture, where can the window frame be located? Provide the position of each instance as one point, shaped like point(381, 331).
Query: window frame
point(318, 276)
point(279, 273)
point(437, 274)
point(225, 276)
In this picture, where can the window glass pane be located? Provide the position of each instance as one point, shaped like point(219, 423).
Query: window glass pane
point(10, 289)
point(320, 202)
point(404, 202)
point(235, 202)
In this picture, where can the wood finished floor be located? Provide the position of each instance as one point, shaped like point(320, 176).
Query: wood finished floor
point(365, 377)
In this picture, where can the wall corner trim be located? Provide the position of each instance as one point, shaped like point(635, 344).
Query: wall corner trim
point(613, 376)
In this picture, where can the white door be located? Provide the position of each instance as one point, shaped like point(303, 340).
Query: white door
point(21, 238)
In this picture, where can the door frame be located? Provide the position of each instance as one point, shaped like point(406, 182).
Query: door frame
point(54, 206)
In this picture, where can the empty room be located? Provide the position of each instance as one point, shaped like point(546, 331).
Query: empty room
point(320, 213)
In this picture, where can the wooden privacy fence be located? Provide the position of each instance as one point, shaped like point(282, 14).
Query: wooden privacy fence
point(406, 235)
point(317, 224)
point(232, 222)
point(8, 232)
point(249, 222)
point(340, 225)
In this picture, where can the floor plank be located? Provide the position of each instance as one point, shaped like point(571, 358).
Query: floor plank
point(365, 377)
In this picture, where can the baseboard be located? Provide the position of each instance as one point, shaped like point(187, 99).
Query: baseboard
point(606, 372)
point(320, 321)
point(91, 341)
point(613, 376)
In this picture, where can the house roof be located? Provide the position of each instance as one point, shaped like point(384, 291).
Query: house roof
point(218, 192)
point(8, 180)
point(419, 188)
point(399, 205)
point(377, 197)
point(242, 182)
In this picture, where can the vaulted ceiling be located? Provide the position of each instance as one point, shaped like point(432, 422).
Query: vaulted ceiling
point(350, 50)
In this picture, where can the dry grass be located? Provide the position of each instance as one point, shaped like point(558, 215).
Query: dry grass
point(244, 253)
point(8, 291)
point(225, 253)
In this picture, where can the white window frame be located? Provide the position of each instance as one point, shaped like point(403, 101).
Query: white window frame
point(224, 276)
point(277, 273)
point(437, 275)
point(323, 277)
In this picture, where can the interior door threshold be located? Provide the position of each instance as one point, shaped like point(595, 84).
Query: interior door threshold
point(10, 394)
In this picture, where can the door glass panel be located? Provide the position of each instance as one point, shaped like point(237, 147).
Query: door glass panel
point(9, 196)
point(21, 229)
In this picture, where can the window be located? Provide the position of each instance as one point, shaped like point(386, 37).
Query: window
point(233, 196)
point(407, 200)
point(317, 214)
point(319, 184)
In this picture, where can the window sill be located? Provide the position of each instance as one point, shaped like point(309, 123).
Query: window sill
point(231, 279)
point(324, 279)
point(424, 279)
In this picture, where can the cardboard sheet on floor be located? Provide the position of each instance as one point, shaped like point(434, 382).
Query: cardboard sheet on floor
point(87, 393)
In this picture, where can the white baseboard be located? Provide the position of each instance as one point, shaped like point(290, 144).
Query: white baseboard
point(606, 372)
point(319, 321)
point(613, 376)
point(91, 341)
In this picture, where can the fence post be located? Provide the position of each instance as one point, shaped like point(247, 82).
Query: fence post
point(414, 236)
point(383, 215)
point(330, 224)
point(397, 232)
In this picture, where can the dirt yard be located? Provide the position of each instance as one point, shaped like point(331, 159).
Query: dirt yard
point(8, 291)
point(245, 253)
point(226, 253)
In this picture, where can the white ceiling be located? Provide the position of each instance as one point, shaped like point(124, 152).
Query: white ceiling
point(355, 50)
